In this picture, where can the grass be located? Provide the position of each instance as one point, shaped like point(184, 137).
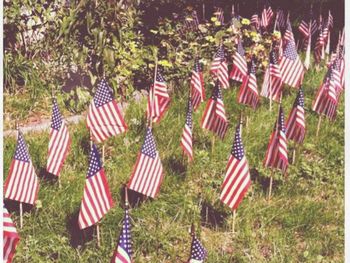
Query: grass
point(302, 223)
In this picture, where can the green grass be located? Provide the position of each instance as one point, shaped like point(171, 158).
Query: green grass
point(302, 223)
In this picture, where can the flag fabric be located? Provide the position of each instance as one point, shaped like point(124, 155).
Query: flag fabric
point(248, 92)
point(219, 68)
point(59, 142)
point(219, 14)
point(272, 85)
point(214, 117)
point(10, 237)
point(266, 16)
point(158, 99)
point(255, 21)
point(186, 138)
point(97, 199)
point(292, 69)
point(237, 178)
point(327, 97)
point(320, 43)
point(277, 154)
point(281, 19)
point(308, 25)
point(22, 184)
point(295, 127)
point(148, 171)
point(104, 118)
point(197, 85)
point(123, 254)
point(198, 252)
point(239, 68)
point(192, 22)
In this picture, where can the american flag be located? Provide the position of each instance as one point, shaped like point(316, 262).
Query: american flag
point(292, 69)
point(11, 237)
point(239, 68)
point(198, 252)
point(272, 85)
point(266, 16)
point(197, 85)
point(104, 119)
point(148, 171)
point(277, 154)
point(281, 19)
point(59, 143)
point(304, 26)
point(321, 42)
point(330, 19)
point(248, 92)
point(97, 199)
point(219, 67)
point(158, 99)
point(219, 14)
point(186, 139)
point(22, 183)
point(214, 117)
point(255, 21)
point(192, 21)
point(327, 97)
point(123, 254)
point(295, 128)
point(237, 178)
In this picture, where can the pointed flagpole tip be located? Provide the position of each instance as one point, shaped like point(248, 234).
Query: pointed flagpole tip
point(192, 229)
point(126, 196)
point(16, 125)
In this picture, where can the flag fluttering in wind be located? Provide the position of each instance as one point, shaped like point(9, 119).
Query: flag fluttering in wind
point(148, 171)
point(237, 179)
point(272, 85)
point(158, 99)
point(281, 19)
point(255, 21)
point(292, 69)
point(277, 154)
point(104, 118)
point(239, 68)
point(219, 14)
point(123, 253)
point(59, 143)
point(214, 117)
point(266, 16)
point(197, 85)
point(186, 138)
point(308, 26)
point(198, 252)
point(248, 92)
point(10, 237)
point(321, 42)
point(97, 199)
point(219, 68)
point(295, 127)
point(327, 97)
point(21, 184)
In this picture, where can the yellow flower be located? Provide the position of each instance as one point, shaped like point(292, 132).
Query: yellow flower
point(277, 34)
point(245, 21)
point(264, 63)
point(217, 23)
point(253, 34)
point(213, 19)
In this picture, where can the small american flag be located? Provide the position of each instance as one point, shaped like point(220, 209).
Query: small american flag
point(97, 199)
point(237, 178)
point(11, 237)
point(22, 183)
point(272, 85)
point(219, 67)
point(239, 68)
point(192, 22)
point(104, 119)
point(197, 85)
point(198, 252)
point(214, 117)
point(321, 42)
point(59, 143)
point(158, 99)
point(148, 171)
point(266, 17)
point(292, 69)
point(255, 21)
point(327, 97)
point(277, 154)
point(281, 19)
point(186, 139)
point(295, 128)
point(123, 254)
point(219, 14)
point(248, 92)
point(304, 26)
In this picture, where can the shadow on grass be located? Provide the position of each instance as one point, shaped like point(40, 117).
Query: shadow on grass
point(263, 181)
point(48, 177)
point(13, 206)
point(177, 165)
point(78, 237)
point(212, 217)
point(135, 199)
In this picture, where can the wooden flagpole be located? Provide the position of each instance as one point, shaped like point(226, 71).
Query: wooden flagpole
point(318, 125)
point(270, 187)
point(53, 95)
point(234, 213)
point(152, 91)
point(203, 9)
point(20, 203)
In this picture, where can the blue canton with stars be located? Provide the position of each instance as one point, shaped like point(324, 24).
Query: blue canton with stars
point(273, 59)
point(94, 162)
point(220, 53)
point(197, 66)
point(189, 114)
point(103, 94)
point(198, 252)
point(159, 77)
point(149, 145)
point(240, 48)
point(281, 126)
point(252, 69)
point(56, 120)
point(125, 235)
point(21, 153)
point(217, 92)
point(237, 148)
point(290, 51)
point(300, 99)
